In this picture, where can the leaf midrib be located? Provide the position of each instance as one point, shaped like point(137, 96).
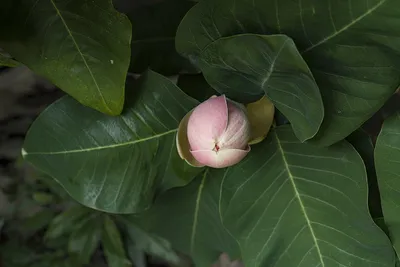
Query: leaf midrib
point(196, 212)
point(81, 54)
point(25, 153)
point(344, 28)
point(303, 210)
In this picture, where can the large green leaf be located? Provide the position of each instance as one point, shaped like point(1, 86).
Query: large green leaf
point(84, 240)
point(112, 245)
point(81, 46)
point(115, 164)
point(247, 66)
point(189, 219)
point(287, 204)
point(153, 37)
point(151, 244)
point(387, 161)
point(362, 142)
point(351, 47)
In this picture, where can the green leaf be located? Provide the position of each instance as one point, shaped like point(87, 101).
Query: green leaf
point(287, 204)
point(387, 154)
point(31, 225)
point(43, 198)
point(6, 60)
point(261, 116)
point(351, 47)
point(85, 239)
point(83, 47)
point(53, 186)
point(136, 255)
point(114, 164)
point(363, 144)
point(112, 245)
point(245, 67)
point(153, 37)
point(67, 221)
point(149, 243)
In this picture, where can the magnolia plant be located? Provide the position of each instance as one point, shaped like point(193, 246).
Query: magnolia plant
point(164, 100)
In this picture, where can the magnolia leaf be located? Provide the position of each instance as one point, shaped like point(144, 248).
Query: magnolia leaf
point(245, 67)
point(112, 245)
point(351, 47)
point(362, 142)
point(286, 204)
point(85, 239)
point(387, 153)
point(83, 47)
point(151, 244)
point(115, 164)
point(136, 256)
point(261, 116)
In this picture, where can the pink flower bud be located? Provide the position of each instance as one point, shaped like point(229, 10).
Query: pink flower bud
point(218, 132)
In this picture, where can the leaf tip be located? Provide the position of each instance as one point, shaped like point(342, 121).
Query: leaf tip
point(23, 153)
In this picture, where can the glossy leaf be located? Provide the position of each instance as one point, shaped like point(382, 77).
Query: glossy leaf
point(83, 47)
point(112, 245)
point(153, 37)
point(245, 67)
point(114, 164)
point(84, 240)
point(351, 47)
point(362, 142)
point(287, 204)
point(387, 153)
point(151, 244)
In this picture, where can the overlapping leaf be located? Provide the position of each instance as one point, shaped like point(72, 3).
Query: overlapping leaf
point(115, 164)
point(387, 155)
point(113, 247)
point(351, 47)
point(81, 46)
point(247, 66)
point(286, 204)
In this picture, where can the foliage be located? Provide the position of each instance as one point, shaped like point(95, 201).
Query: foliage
point(318, 188)
point(42, 226)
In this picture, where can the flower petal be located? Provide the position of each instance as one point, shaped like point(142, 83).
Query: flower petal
point(237, 133)
point(221, 159)
point(207, 122)
point(182, 143)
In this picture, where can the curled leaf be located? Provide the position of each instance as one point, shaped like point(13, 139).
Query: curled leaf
point(182, 143)
point(261, 116)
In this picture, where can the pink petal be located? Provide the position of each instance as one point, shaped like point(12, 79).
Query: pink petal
point(237, 133)
point(221, 159)
point(207, 122)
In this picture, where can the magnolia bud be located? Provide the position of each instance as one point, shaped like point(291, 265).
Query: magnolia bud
point(218, 132)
